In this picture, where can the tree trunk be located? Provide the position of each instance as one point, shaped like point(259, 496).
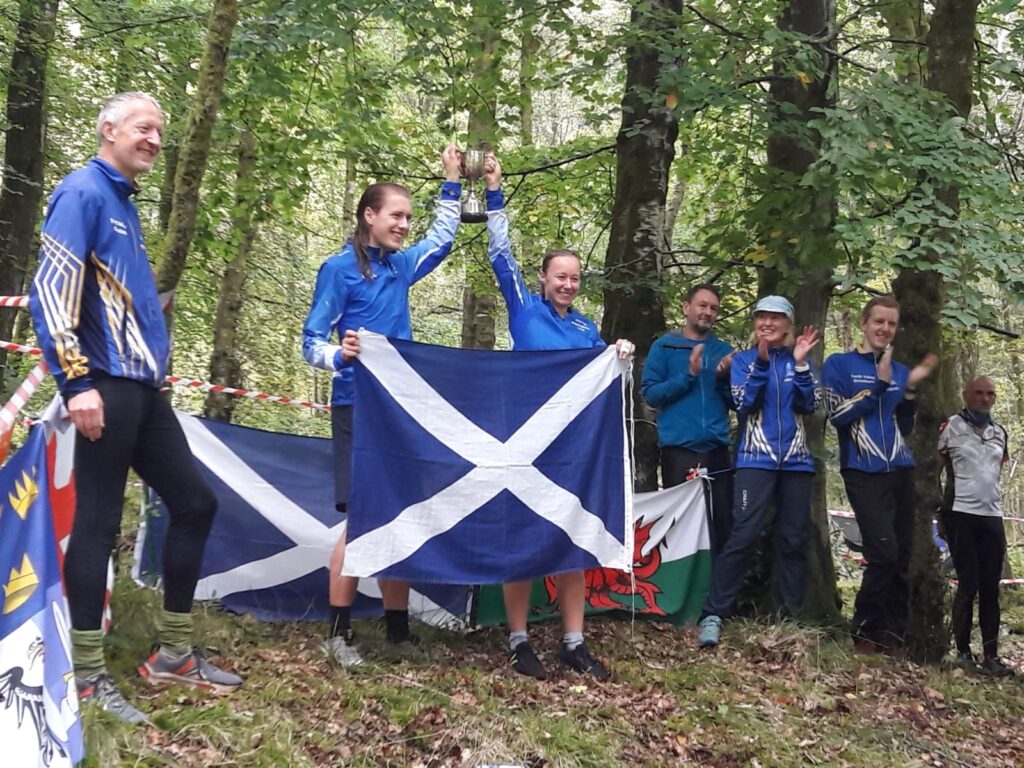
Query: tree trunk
point(195, 146)
point(529, 47)
point(478, 309)
point(804, 246)
point(225, 367)
point(645, 148)
point(921, 295)
point(24, 154)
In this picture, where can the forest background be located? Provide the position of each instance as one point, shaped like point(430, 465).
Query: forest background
point(825, 150)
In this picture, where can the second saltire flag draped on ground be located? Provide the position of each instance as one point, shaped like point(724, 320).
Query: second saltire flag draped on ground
point(482, 467)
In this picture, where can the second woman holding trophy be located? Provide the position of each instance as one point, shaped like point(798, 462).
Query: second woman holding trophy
point(542, 321)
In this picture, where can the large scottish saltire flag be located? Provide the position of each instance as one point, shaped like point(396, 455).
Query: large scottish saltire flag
point(39, 723)
point(483, 467)
point(275, 527)
point(671, 565)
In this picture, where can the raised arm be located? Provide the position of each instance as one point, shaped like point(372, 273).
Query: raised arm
point(499, 249)
point(429, 252)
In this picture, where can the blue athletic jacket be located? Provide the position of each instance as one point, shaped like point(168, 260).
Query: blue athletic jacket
point(769, 398)
point(870, 416)
point(345, 300)
point(693, 411)
point(93, 300)
point(533, 322)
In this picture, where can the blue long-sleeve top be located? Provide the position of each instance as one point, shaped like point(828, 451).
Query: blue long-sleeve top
point(871, 416)
point(770, 397)
point(93, 300)
point(533, 322)
point(344, 299)
point(693, 411)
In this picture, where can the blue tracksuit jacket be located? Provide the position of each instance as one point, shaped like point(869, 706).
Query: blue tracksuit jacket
point(533, 322)
point(345, 300)
point(769, 398)
point(93, 300)
point(870, 416)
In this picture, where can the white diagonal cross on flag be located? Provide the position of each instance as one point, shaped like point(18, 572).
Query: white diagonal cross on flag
point(498, 465)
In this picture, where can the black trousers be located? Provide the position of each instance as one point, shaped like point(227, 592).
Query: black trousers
point(676, 462)
point(757, 491)
point(978, 546)
point(883, 504)
point(141, 432)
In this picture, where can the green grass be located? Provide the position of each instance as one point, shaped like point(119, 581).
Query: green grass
point(771, 695)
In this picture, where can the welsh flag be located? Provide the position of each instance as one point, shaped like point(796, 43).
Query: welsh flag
point(671, 565)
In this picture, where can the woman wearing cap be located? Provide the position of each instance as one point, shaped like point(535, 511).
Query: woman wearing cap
point(540, 322)
point(772, 387)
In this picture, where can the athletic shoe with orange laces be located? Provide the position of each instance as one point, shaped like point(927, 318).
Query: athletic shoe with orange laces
point(192, 669)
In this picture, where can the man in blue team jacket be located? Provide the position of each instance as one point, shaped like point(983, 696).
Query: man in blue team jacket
point(686, 377)
point(99, 322)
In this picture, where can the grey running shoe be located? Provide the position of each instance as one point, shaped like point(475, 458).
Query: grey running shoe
point(101, 691)
point(342, 651)
point(710, 628)
point(193, 670)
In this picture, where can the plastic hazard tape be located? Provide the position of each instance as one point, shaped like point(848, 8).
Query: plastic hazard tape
point(206, 386)
point(13, 301)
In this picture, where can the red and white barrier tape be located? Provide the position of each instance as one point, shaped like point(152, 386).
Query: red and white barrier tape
point(208, 387)
point(25, 390)
point(10, 346)
point(197, 383)
point(13, 301)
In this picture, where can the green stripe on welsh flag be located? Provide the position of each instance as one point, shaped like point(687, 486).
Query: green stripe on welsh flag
point(671, 565)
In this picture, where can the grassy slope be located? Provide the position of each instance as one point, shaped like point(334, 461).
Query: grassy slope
point(771, 695)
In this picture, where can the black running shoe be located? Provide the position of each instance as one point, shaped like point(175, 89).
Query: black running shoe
point(525, 661)
point(580, 660)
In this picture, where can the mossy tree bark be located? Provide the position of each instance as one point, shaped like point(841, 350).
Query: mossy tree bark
point(225, 367)
point(920, 291)
point(645, 149)
point(24, 154)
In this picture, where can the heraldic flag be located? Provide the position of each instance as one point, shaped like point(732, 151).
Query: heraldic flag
point(481, 467)
point(39, 724)
point(275, 527)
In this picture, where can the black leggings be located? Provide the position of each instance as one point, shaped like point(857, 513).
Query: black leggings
point(978, 545)
point(141, 432)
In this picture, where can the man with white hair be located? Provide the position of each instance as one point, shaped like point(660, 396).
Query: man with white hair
point(99, 322)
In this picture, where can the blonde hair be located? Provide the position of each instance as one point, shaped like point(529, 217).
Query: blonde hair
point(788, 341)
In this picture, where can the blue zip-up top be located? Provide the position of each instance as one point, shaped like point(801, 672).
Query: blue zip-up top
point(343, 299)
point(770, 397)
point(93, 300)
point(693, 411)
point(533, 322)
point(870, 416)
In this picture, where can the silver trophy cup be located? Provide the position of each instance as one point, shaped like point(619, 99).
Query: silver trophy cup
point(473, 209)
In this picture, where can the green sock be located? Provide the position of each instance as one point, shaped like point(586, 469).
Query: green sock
point(87, 651)
point(174, 632)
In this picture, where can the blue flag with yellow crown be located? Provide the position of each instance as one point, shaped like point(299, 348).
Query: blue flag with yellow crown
point(39, 722)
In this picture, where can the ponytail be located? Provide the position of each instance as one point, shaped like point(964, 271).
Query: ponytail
point(373, 198)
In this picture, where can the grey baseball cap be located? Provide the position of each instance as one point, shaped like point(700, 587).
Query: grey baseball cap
point(778, 304)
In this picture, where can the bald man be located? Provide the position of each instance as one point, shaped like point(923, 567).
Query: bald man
point(973, 449)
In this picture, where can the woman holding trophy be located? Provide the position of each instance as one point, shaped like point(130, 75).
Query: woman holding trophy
point(366, 285)
point(539, 322)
